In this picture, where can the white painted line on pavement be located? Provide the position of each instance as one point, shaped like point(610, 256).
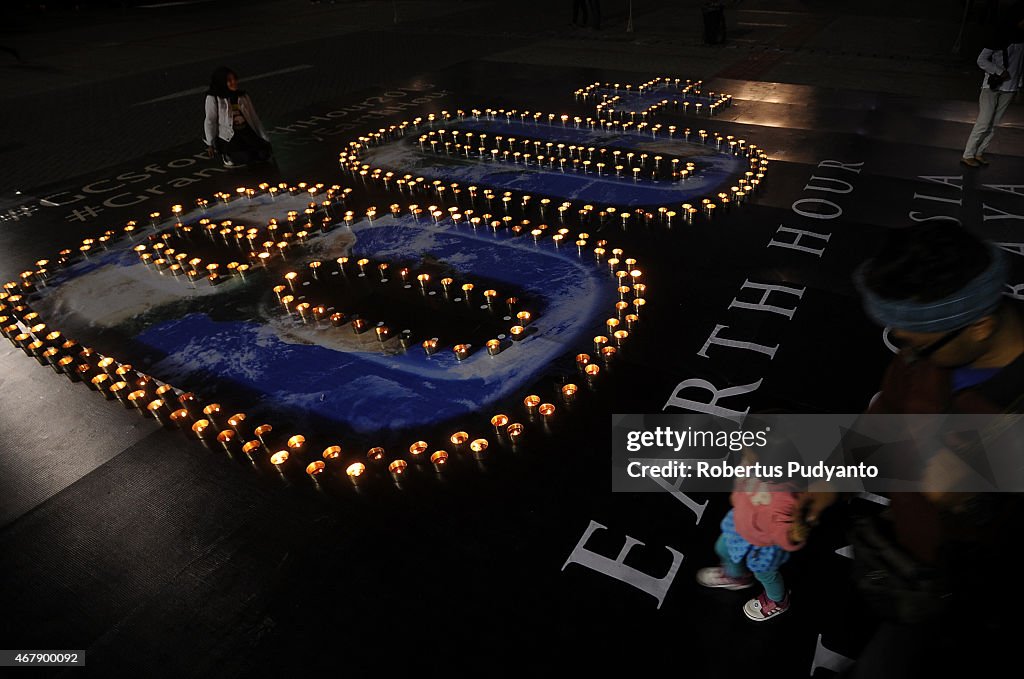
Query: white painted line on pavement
point(199, 90)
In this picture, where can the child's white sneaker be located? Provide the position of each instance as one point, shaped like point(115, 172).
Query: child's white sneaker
point(762, 608)
point(715, 576)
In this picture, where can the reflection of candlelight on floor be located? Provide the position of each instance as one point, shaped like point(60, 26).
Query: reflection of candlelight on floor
point(279, 458)
point(461, 351)
point(517, 332)
point(315, 469)
point(493, 347)
point(569, 392)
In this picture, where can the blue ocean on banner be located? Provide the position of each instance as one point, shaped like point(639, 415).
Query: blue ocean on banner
point(372, 391)
point(715, 170)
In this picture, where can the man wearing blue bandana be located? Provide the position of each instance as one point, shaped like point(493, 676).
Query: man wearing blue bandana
point(939, 290)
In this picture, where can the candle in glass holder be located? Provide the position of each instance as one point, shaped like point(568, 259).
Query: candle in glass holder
point(180, 418)
point(250, 448)
point(236, 421)
point(515, 431)
point(375, 454)
point(158, 409)
point(631, 321)
point(315, 469)
point(137, 398)
point(592, 370)
point(478, 447)
point(439, 459)
point(546, 410)
point(418, 448)
point(569, 392)
point(227, 438)
point(100, 384)
point(531, 402)
point(608, 353)
point(430, 346)
point(262, 432)
point(461, 351)
point(358, 325)
point(279, 458)
point(459, 438)
point(356, 473)
point(582, 360)
point(524, 318)
point(599, 342)
point(517, 332)
point(493, 347)
point(202, 428)
point(337, 319)
point(297, 443)
point(397, 468)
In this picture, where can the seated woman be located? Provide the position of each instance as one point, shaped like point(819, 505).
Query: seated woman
point(232, 127)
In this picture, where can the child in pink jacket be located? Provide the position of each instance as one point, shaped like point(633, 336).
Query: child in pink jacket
point(758, 534)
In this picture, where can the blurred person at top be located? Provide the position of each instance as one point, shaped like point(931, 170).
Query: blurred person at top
point(1003, 63)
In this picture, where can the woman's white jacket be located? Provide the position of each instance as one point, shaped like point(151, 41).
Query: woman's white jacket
point(218, 118)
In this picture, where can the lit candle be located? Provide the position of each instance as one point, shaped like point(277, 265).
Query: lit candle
point(279, 458)
point(439, 459)
point(517, 332)
point(459, 438)
point(201, 428)
point(430, 346)
point(250, 448)
point(418, 448)
point(375, 454)
point(331, 453)
point(297, 443)
point(315, 469)
point(499, 421)
point(582, 360)
point(569, 392)
point(546, 410)
point(515, 430)
point(531, 402)
point(397, 469)
point(493, 347)
point(356, 473)
point(262, 432)
point(180, 418)
point(461, 351)
point(227, 439)
point(478, 447)
point(158, 409)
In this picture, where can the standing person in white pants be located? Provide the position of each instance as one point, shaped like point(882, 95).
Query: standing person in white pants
point(1004, 67)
